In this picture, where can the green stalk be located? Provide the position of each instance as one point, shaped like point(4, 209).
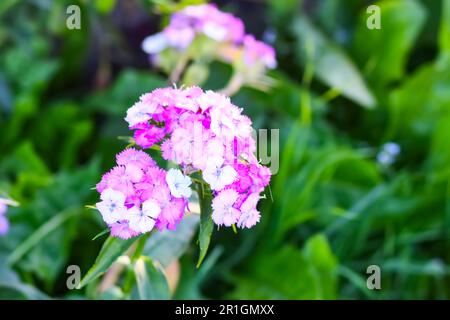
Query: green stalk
point(136, 253)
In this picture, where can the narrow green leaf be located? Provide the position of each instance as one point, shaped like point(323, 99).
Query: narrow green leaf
point(111, 250)
point(39, 234)
point(330, 63)
point(101, 233)
point(19, 291)
point(206, 224)
point(151, 281)
point(444, 33)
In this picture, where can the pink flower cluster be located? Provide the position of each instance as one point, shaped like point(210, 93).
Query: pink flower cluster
point(199, 131)
point(136, 196)
point(207, 20)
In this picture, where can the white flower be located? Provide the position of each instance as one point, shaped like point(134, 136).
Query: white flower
point(179, 184)
point(215, 31)
point(112, 207)
point(144, 220)
point(155, 43)
point(138, 113)
point(219, 176)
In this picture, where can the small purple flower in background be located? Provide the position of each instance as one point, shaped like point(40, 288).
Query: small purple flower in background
point(203, 132)
point(4, 224)
point(388, 153)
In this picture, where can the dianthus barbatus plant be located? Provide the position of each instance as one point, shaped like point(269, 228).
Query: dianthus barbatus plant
point(204, 136)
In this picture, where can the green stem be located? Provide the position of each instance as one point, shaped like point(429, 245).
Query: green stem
point(129, 278)
point(234, 85)
point(174, 77)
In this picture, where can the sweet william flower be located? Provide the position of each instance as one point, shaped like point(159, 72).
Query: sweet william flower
point(179, 184)
point(135, 157)
point(218, 175)
point(120, 178)
point(143, 221)
point(121, 229)
point(223, 211)
point(186, 24)
point(155, 43)
point(172, 211)
point(258, 52)
point(203, 33)
point(112, 207)
point(138, 113)
point(249, 214)
point(148, 135)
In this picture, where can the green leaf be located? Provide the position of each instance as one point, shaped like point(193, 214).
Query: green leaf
point(323, 266)
point(383, 53)
point(105, 6)
point(439, 151)
point(20, 291)
point(330, 64)
point(419, 102)
point(11, 287)
point(39, 234)
point(66, 191)
point(444, 33)
point(101, 233)
point(168, 245)
point(196, 74)
point(206, 224)
point(111, 250)
point(151, 281)
point(312, 273)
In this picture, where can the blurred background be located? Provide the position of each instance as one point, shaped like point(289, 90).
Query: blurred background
point(364, 119)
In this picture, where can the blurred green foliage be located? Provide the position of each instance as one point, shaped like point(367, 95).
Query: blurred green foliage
point(335, 210)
